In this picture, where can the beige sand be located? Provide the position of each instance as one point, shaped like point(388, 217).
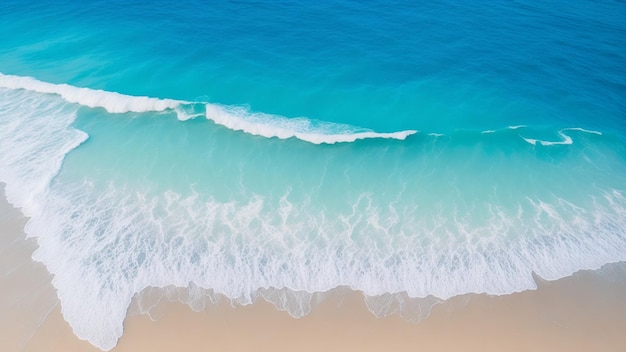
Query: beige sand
point(586, 312)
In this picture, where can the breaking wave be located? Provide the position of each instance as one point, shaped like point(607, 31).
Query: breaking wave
point(235, 118)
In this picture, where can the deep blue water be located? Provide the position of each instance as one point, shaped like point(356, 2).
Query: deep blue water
point(432, 148)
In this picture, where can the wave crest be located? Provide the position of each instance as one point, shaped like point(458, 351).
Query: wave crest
point(235, 118)
point(270, 126)
point(112, 102)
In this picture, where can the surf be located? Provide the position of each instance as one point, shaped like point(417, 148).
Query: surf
point(146, 200)
point(235, 118)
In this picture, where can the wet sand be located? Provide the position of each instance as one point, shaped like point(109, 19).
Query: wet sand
point(584, 312)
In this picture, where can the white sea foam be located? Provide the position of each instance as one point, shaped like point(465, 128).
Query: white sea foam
point(270, 126)
point(235, 118)
point(112, 102)
point(567, 140)
point(516, 127)
point(240, 249)
point(34, 138)
point(583, 130)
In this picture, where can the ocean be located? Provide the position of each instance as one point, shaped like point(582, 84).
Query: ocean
point(281, 149)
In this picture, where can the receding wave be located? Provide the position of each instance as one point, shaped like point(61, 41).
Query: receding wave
point(300, 251)
point(235, 118)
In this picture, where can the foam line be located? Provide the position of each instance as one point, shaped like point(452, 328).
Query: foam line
point(567, 140)
point(271, 126)
point(583, 130)
point(112, 102)
point(235, 118)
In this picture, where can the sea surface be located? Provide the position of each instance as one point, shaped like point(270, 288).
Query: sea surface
point(406, 149)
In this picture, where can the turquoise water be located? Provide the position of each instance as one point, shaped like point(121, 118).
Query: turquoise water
point(421, 150)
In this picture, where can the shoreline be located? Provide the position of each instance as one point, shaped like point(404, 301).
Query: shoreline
point(582, 312)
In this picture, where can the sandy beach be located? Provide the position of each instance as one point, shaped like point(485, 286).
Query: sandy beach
point(584, 312)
